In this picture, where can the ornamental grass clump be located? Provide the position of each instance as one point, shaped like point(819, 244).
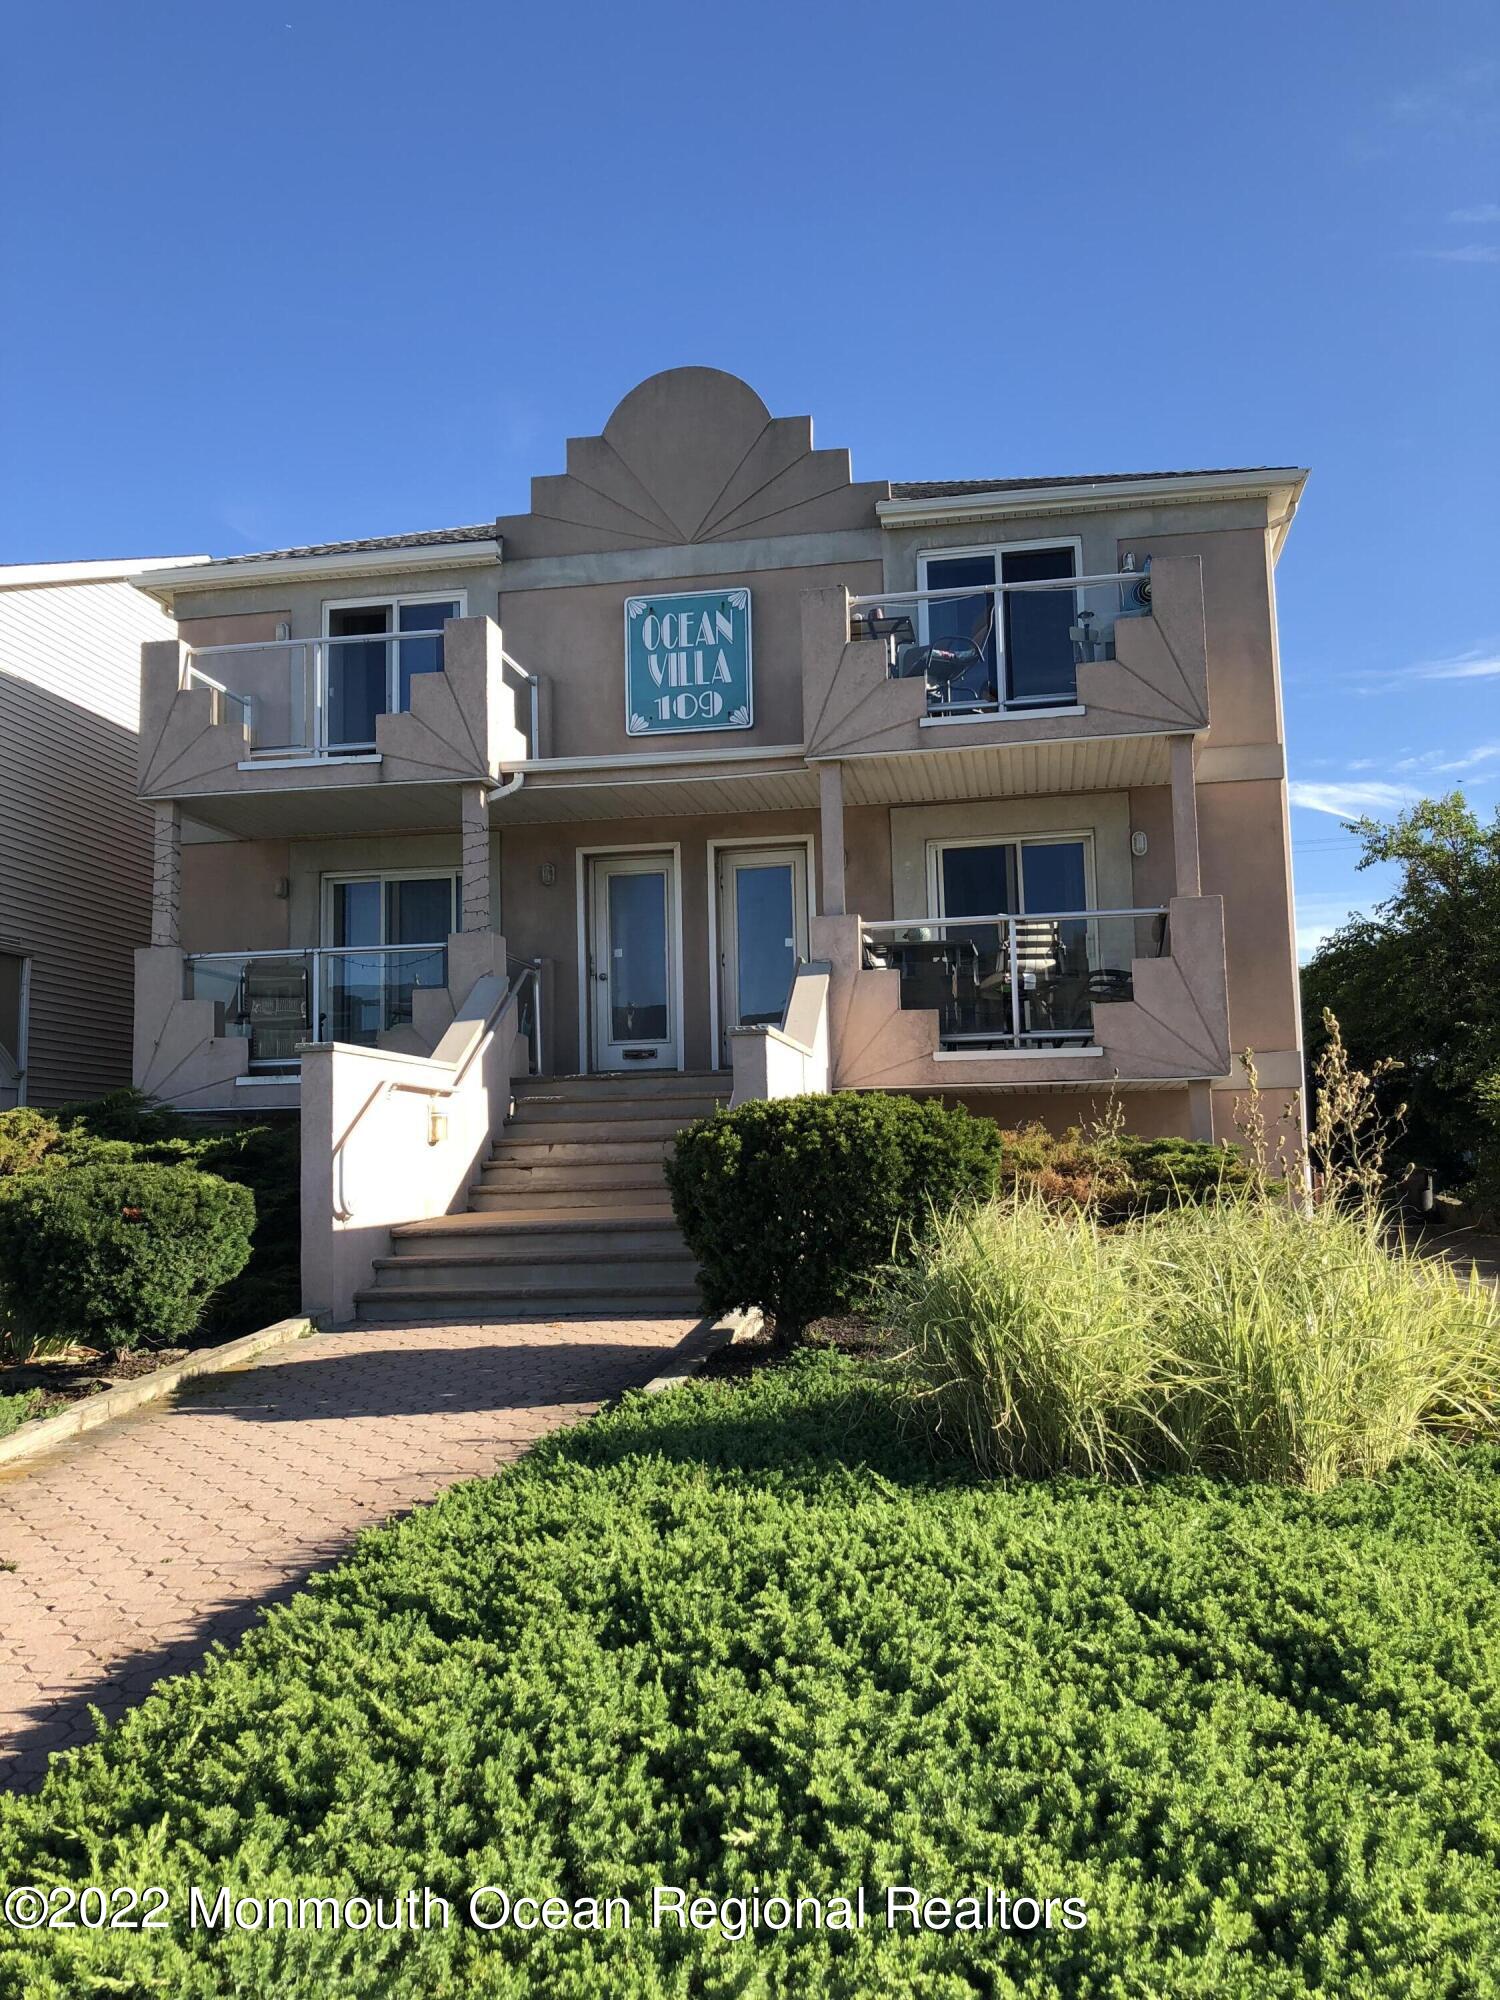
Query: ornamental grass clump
point(1244, 1339)
point(1313, 1347)
point(1025, 1331)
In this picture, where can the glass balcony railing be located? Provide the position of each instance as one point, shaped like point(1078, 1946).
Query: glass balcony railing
point(275, 999)
point(1001, 647)
point(323, 697)
point(1012, 981)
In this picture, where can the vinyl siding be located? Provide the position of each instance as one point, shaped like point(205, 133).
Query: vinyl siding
point(75, 844)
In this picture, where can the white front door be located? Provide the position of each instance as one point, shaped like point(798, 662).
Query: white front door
point(762, 934)
point(632, 962)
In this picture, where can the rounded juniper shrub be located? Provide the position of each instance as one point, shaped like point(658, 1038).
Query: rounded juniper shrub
point(794, 1204)
point(118, 1255)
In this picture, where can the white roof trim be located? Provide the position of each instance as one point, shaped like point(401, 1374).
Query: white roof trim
point(16, 576)
point(1089, 496)
point(206, 574)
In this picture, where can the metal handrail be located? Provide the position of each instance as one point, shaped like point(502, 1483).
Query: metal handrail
point(1011, 917)
point(316, 951)
point(879, 597)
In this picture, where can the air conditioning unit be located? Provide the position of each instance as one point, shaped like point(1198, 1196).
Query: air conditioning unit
point(1135, 590)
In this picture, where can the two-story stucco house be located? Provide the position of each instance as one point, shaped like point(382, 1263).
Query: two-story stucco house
point(503, 849)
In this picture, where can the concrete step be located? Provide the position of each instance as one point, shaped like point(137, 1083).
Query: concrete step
point(506, 1271)
point(553, 1301)
point(581, 1234)
point(537, 1112)
point(575, 1176)
point(569, 1200)
point(641, 1083)
point(591, 1131)
point(514, 1151)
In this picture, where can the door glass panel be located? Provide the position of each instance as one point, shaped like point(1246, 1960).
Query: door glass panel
point(637, 970)
point(965, 618)
point(976, 961)
point(765, 941)
point(1054, 956)
point(422, 656)
point(356, 676)
point(419, 912)
point(1039, 660)
point(356, 913)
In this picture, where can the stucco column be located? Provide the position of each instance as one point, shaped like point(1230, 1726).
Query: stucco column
point(1185, 817)
point(831, 837)
point(476, 914)
point(166, 875)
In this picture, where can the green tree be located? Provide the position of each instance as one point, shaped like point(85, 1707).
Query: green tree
point(1419, 982)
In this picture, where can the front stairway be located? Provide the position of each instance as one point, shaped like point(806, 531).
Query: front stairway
point(570, 1216)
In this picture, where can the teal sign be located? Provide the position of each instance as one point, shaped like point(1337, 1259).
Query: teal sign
point(687, 662)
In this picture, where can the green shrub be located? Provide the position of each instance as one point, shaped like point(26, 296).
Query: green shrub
point(118, 1256)
point(755, 1638)
point(26, 1139)
point(1117, 1175)
point(126, 1129)
point(14, 1410)
point(1241, 1338)
point(793, 1204)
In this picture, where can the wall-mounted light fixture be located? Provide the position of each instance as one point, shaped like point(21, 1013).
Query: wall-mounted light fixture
point(437, 1125)
point(283, 887)
point(548, 874)
point(1138, 843)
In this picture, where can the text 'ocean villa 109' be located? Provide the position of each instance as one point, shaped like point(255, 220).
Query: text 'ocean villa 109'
point(502, 851)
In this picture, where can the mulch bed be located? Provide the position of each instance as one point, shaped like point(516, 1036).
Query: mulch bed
point(843, 1335)
point(68, 1378)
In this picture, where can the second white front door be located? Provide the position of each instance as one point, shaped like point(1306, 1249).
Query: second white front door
point(762, 934)
point(632, 962)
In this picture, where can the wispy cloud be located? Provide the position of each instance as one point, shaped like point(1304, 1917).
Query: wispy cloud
point(1466, 253)
point(1480, 663)
point(1482, 212)
point(1349, 801)
point(1462, 98)
point(1439, 761)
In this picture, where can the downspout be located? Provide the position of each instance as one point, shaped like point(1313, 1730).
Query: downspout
point(504, 791)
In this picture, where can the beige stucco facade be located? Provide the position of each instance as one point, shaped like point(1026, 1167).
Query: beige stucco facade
point(514, 774)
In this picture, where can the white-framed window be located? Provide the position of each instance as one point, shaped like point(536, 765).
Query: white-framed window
point(1011, 875)
point(1024, 637)
point(1029, 981)
point(385, 933)
point(379, 646)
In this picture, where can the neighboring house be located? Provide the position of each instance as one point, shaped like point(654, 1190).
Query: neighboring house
point(998, 764)
point(75, 841)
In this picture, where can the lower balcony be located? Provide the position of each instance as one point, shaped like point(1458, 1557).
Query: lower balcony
point(1081, 998)
point(274, 1001)
point(1011, 982)
point(227, 1030)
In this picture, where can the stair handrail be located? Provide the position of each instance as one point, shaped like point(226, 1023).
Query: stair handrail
point(343, 1208)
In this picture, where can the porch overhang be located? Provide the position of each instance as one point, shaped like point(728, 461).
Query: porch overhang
point(583, 789)
point(1006, 770)
point(311, 811)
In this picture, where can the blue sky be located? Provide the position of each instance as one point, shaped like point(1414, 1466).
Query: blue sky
point(292, 272)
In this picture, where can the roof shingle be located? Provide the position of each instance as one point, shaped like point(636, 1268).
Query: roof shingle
point(481, 531)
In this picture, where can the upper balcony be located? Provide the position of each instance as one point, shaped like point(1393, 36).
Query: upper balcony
point(421, 708)
point(1085, 660)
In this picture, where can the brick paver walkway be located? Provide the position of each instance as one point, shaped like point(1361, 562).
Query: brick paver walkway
point(135, 1545)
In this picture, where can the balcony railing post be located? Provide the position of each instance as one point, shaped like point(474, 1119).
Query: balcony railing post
point(1015, 981)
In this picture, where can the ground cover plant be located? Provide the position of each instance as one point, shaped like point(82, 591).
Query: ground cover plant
point(764, 1637)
